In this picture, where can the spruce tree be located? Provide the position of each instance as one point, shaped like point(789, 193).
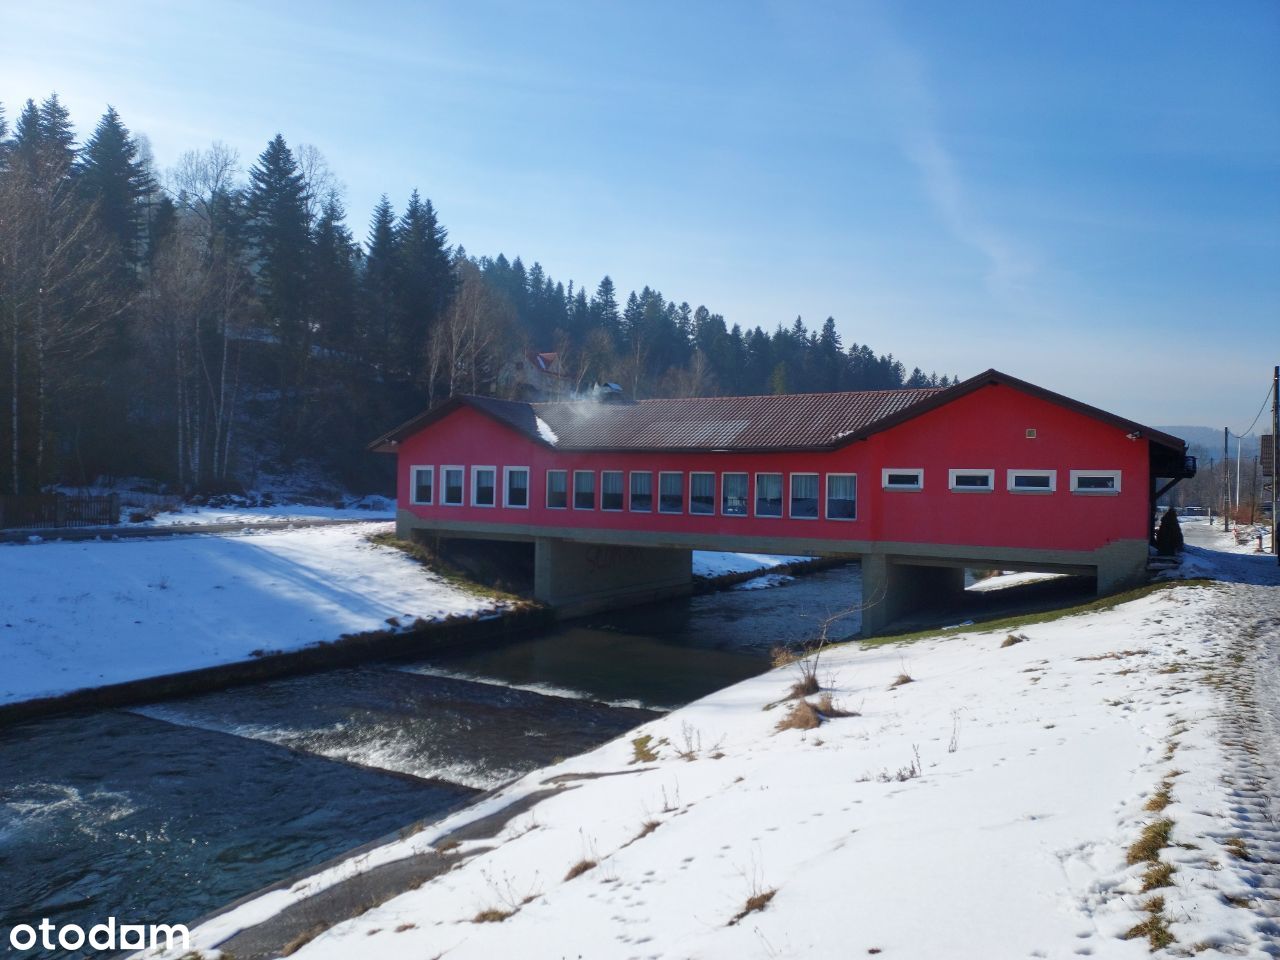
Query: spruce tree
point(423, 283)
point(1169, 537)
point(112, 176)
point(378, 287)
point(333, 289)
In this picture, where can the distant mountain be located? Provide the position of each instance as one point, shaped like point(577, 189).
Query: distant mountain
point(1207, 442)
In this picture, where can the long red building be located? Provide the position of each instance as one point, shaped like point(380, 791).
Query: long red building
point(919, 483)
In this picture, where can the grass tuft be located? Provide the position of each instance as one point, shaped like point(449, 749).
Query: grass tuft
point(1237, 848)
point(579, 868)
point(1153, 839)
point(903, 678)
point(302, 939)
point(492, 915)
point(642, 750)
point(1014, 638)
point(1159, 874)
point(754, 904)
point(1155, 928)
point(801, 715)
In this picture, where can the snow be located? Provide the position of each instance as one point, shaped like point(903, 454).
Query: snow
point(193, 515)
point(1003, 581)
point(710, 563)
point(982, 810)
point(76, 615)
point(545, 431)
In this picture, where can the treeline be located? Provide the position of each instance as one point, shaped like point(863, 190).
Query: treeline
point(206, 325)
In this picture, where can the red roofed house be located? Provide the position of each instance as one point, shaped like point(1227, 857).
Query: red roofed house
point(918, 483)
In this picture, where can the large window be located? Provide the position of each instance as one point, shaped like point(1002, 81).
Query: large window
point(1095, 481)
point(584, 490)
point(804, 496)
point(971, 481)
point(733, 494)
point(641, 491)
point(454, 478)
point(842, 496)
point(484, 482)
point(516, 486)
point(702, 493)
point(671, 493)
point(611, 490)
point(1032, 481)
point(768, 494)
point(422, 485)
point(902, 478)
point(557, 490)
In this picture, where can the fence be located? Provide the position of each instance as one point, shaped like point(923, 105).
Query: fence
point(54, 510)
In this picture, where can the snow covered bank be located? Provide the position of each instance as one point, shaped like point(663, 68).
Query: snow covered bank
point(75, 615)
point(711, 563)
point(1083, 787)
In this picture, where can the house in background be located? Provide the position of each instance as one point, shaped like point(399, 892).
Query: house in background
point(919, 484)
point(536, 377)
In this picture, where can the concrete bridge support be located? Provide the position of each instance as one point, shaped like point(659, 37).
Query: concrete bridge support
point(581, 578)
point(891, 589)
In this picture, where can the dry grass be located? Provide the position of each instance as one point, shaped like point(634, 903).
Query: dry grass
point(579, 868)
point(903, 678)
point(1014, 638)
point(830, 710)
point(647, 828)
point(754, 904)
point(492, 915)
point(1161, 798)
point(1237, 848)
point(806, 686)
point(1159, 874)
point(1153, 839)
point(302, 939)
point(1155, 928)
point(1114, 655)
point(800, 716)
point(783, 656)
point(642, 750)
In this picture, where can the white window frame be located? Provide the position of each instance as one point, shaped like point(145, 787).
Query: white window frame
point(625, 491)
point(916, 488)
point(1077, 474)
point(826, 498)
point(413, 485)
point(746, 511)
point(506, 487)
point(573, 491)
point(1035, 491)
point(791, 494)
point(684, 493)
point(546, 482)
point(653, 495)
point(475, 486)
point(714, 488)
point(971, 472)
point(755, 495)
point(444, 485)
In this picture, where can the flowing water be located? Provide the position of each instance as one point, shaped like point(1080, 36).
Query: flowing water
point(162, 813)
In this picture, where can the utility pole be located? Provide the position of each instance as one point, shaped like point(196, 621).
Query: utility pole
point(1275, 448)
point(1226, 479)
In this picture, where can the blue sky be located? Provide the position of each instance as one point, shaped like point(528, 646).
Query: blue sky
point(1084, 194)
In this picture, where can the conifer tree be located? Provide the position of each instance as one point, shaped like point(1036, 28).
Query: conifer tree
point(112, 176)
point(378, 287)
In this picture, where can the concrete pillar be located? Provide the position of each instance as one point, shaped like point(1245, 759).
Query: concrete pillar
point(1122, 564)
point(892, 590)
point(581, 578)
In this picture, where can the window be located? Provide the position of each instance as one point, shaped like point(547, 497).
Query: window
point(702, 493)
point(971, 481)
point(842, 496)
point(898, 478)
point(804, 496)
point(733, 494)
point(671, 493)
point(611, 490)
point(768, 494)
point(1095, 481)
point(517, 487)
point(453, 481)
point(557, 490)
point(422, 485)
point(584, 490)
point(642, 491)
point(1032, 481)
point(484, 481)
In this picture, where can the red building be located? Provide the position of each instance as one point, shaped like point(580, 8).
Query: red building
point(992, 472)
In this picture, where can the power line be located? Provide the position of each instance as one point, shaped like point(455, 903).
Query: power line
point(1255, 419)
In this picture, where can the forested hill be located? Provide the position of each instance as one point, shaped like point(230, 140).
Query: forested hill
point(203, 323)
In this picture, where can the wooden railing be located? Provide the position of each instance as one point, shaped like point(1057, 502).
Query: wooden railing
point(55, 510)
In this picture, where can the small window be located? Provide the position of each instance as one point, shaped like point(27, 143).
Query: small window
point(1095, 481)
point(517, 487)
point(611, 490)
point(971, 481)
point(1032, 481)
point(642, 491)
point(484, 482)
point(768, 494)
point(733, 494)
point(557, 490)
point(842, 496)
point(422, 483)
point(898, 478)
point(804, 496)
point(671, 493)
point(453, 483)
point(702, 493)
point(584, 490)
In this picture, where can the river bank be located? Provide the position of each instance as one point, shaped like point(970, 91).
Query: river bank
point(1082, 785)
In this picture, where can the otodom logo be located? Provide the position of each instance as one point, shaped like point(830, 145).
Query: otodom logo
point(109, 935)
